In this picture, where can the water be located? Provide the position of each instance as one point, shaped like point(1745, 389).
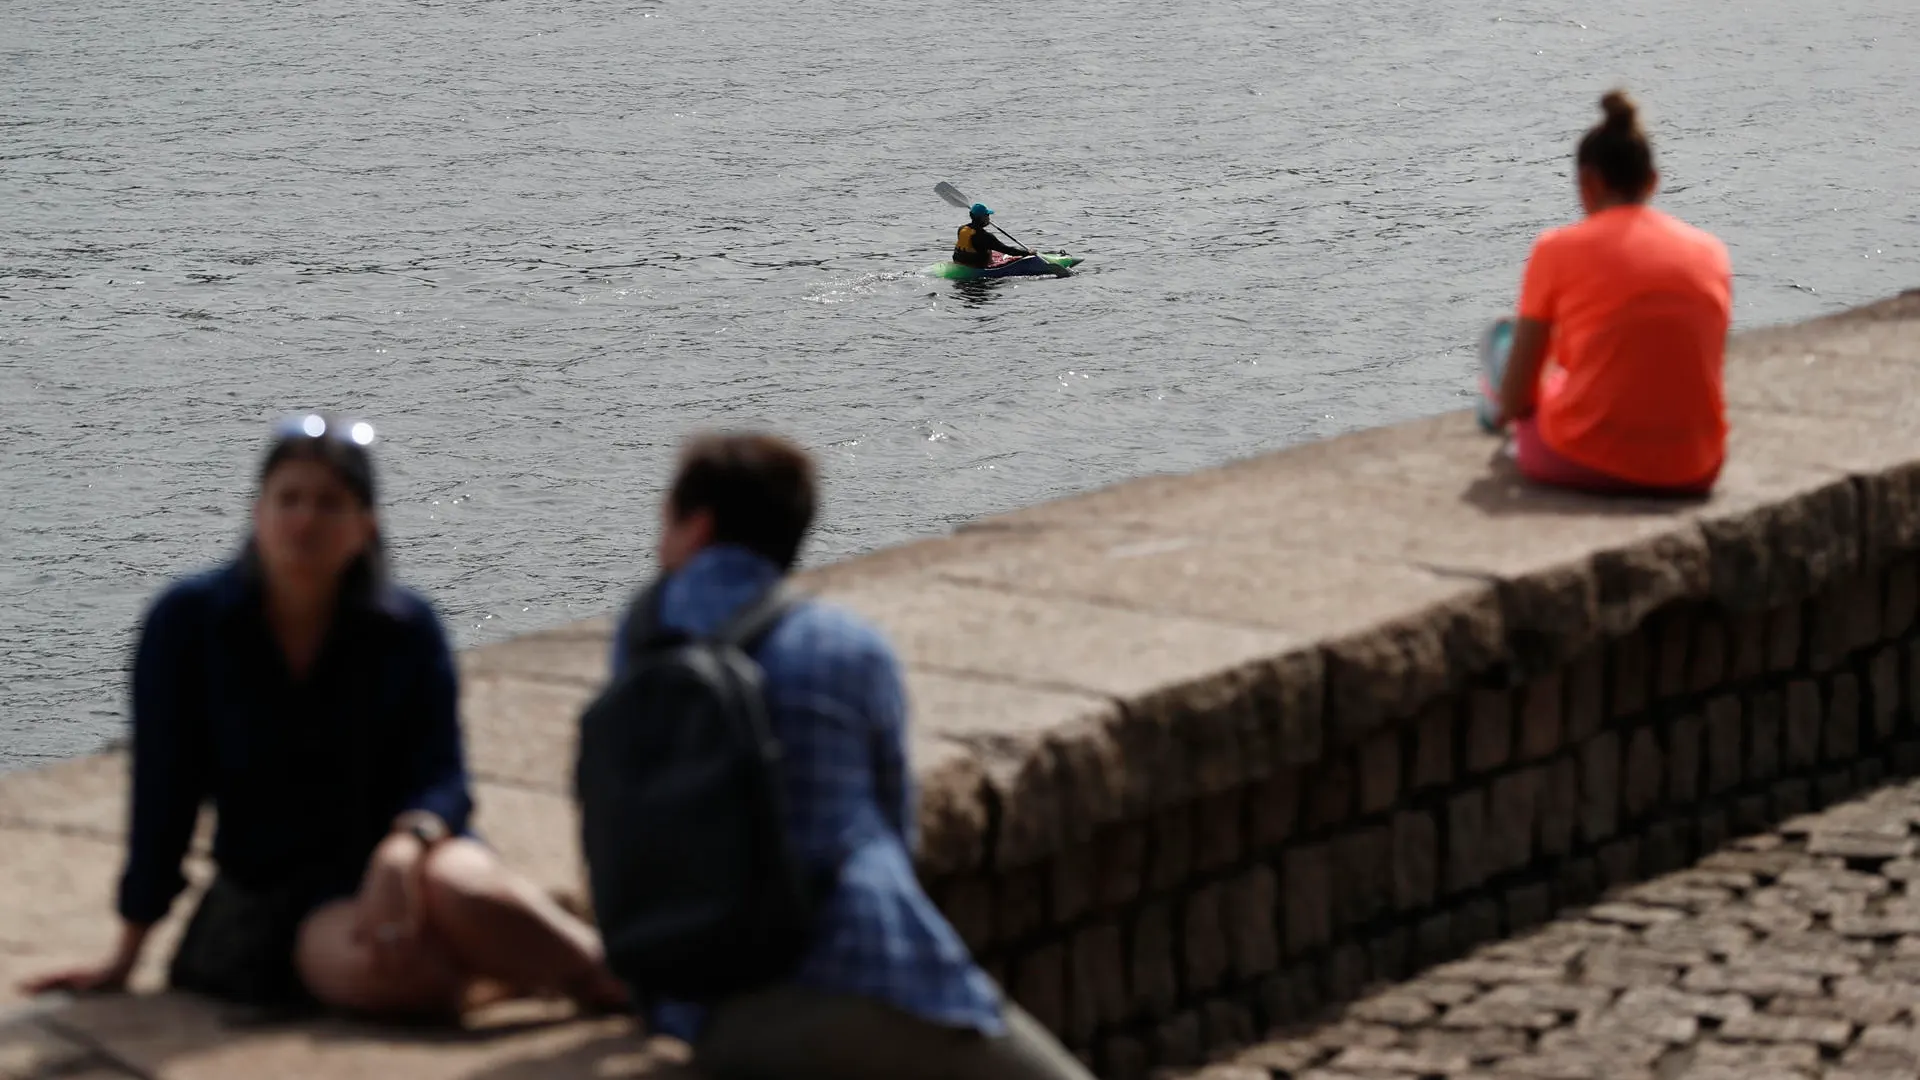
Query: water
point(536, 242)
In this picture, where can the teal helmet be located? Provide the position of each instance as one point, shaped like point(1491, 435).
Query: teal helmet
point(980, 210)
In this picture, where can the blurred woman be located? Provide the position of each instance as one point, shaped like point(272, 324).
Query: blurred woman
point(313, 702)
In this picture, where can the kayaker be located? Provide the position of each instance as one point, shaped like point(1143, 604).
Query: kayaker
point(1613, 380)
point(976, 243)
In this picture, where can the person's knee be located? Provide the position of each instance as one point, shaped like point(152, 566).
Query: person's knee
point(458, 877)
point(342, 972)
point(337, 968)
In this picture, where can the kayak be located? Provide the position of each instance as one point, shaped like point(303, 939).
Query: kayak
point(1036, 265)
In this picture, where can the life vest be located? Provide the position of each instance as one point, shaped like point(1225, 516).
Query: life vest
point(967, 251)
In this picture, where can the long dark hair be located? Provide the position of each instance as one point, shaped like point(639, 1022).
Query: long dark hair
point(351, 462)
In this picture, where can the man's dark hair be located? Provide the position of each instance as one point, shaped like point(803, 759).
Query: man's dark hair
point(761, 490)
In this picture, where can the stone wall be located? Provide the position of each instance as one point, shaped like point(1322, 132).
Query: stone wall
point(1197, 928)
point(1431, 706)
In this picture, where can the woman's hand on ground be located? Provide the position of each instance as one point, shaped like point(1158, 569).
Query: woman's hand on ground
point(108, 978)
point(389, 901)
point(105, 978)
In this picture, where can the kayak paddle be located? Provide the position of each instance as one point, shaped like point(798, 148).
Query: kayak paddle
point(958, 198)
point(953, 195)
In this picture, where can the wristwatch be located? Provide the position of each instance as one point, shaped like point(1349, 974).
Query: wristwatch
point(424, 827)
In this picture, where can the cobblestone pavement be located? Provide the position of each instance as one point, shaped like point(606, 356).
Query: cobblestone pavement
point(1793, 954)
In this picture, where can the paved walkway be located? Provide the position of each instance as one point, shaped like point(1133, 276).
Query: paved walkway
point(1794, 954)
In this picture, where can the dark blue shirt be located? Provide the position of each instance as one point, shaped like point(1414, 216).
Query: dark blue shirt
point(307, 775)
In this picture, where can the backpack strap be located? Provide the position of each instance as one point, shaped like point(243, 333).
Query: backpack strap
point(745, 629)
point(742, 631)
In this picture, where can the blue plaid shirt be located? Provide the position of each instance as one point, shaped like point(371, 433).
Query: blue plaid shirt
point(839, 709)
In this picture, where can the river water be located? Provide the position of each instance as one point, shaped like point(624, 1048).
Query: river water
point(536, 242)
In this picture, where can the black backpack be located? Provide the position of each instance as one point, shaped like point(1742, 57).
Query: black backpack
point(696, 890)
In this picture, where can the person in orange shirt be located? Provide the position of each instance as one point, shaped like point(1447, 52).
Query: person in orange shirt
point(1610, 376)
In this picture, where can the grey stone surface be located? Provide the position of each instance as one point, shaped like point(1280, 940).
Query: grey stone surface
point(84, 796)
point(1204, 702)
point(534, 832)
point(1395, 636)
point(576, 659)
point(56, 907)
point(175, 1038)
point(30, 1051)
point(1570, 568)
point(1777, 532)
point(1050, 759)
point(1854, 374)
point(522, 731)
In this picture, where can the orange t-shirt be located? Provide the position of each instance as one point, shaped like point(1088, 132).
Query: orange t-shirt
point(1639, 303)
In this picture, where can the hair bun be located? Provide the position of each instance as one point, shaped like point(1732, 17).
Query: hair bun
point(1622, 114)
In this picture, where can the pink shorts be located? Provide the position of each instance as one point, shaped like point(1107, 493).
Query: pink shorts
point(1541, 464)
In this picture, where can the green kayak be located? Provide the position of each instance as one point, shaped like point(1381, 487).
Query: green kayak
point(1036, 265)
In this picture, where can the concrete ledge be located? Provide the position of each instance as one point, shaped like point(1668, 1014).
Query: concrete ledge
point(1200, 753)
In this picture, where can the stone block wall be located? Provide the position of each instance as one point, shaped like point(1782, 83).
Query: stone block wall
point(1441, 705)
point(1195, 929)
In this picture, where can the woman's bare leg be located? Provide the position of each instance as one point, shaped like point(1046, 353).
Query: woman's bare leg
point(343, 972)
point(498, 925)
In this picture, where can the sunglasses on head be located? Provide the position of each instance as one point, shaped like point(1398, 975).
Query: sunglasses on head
point(315, 426)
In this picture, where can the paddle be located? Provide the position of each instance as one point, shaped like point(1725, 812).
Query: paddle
point(958, 198)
